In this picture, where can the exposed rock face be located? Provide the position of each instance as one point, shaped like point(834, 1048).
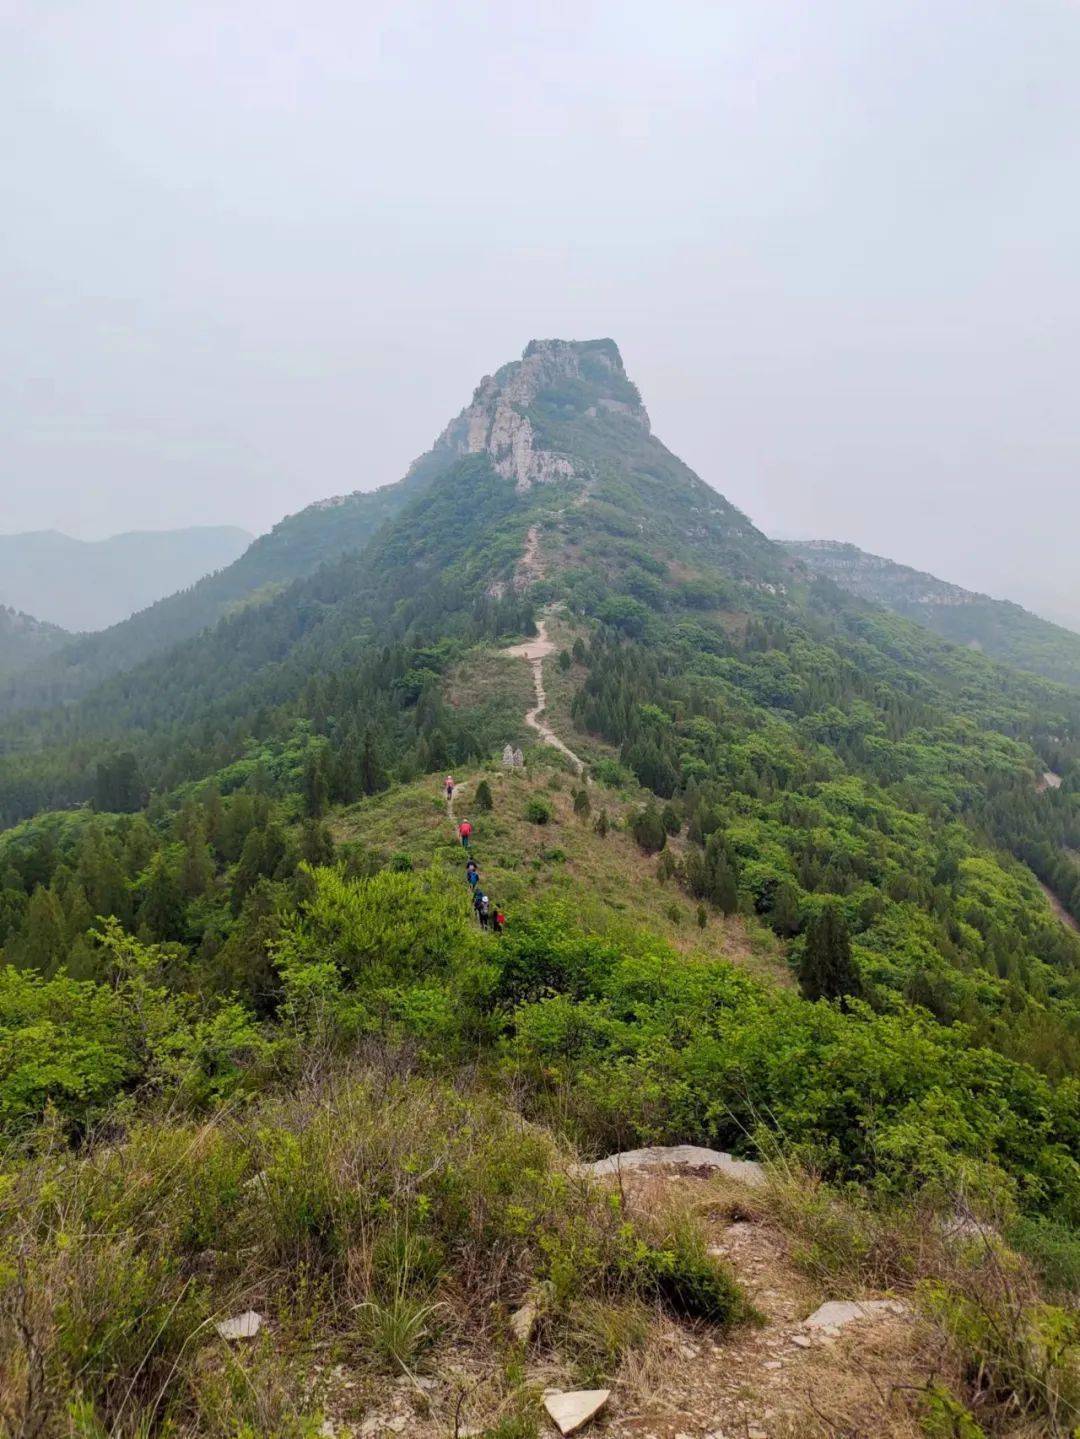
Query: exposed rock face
point(496, 423)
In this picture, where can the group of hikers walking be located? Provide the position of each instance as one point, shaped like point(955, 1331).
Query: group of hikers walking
point(488, 915)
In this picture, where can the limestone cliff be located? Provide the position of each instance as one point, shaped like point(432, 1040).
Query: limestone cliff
point(558, 378)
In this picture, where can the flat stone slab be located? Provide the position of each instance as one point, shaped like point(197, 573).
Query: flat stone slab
point(242, 1326)
point(574, 1408)
point(838, 1312)
point(678, 1156)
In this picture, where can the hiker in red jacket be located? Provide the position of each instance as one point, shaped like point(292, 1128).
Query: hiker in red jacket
point(449, 788)
point(464, 829)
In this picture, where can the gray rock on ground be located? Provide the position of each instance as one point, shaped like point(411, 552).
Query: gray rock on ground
point(678, 1156)
point(839, 1312)
point(242, 1326)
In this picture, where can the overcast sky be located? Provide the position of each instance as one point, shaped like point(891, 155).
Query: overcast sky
point(253, 253)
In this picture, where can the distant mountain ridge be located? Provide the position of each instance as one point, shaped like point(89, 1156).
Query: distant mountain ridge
point(1000, 629)
point(86, 585)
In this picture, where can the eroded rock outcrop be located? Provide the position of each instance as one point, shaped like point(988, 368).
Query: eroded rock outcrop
point(581, 378)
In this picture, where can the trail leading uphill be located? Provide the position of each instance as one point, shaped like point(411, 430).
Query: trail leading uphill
point(536, 651)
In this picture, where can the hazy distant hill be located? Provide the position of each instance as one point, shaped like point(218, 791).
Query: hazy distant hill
point(90, 584)
point(998, 628)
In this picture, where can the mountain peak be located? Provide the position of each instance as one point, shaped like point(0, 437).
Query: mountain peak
point(517, 413)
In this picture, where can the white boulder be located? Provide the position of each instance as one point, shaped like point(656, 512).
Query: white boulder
point(574, 1408)
point(678, 1156)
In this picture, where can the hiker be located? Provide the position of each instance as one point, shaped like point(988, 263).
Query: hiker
point(449, 789)
point(464, 829)
point(483, 911)
point(472, 874)
point(498, 921)
point(477, 904)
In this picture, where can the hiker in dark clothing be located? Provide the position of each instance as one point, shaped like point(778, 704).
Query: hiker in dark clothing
point(498, 921)
point(449, 788)
point(484, 911)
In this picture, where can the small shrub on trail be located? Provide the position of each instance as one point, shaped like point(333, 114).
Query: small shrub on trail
point(601, 824)
point(537, 811)
point(482, 799)
point(582, 806)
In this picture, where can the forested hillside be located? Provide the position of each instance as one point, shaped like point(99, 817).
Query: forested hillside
point(295, 547)
point(997, 628)
point(24, 640)
point(793, 908)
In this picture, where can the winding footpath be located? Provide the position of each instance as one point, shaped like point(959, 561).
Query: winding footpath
point(536, 651)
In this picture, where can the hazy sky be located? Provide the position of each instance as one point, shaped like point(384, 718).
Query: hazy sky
point(253, 253)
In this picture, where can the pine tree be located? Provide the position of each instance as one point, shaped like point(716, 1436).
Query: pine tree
point(723, 889)
point(316, 845)
point(482, 799)
point(161, 913)
point(316, 784)
point(785, 917)
point(197, 869)
point(648, 828)
point(670, 816)
point(118, 787)
point(827, 969)
point(582, 805)
point(42, 944)
point(602, 824)
point(371, 777)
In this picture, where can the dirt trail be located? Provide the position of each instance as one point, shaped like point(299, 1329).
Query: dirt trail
point(774, 1380)
point(536, 651)
point(530, 567)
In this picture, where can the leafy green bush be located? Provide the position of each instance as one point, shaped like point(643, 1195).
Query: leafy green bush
point(537, 811)
point(482, 799)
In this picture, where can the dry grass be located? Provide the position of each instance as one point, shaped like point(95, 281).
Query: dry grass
point(381, 1223)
